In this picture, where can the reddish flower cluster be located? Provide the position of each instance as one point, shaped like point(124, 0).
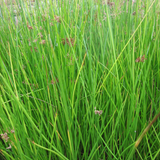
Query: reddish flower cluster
point(98, 112)
point(64, 41)
point(54, 81)
point(5, 137)
point(140, 59)
point(57, 19)
point(29, 27)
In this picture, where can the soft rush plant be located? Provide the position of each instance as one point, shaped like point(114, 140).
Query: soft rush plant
point(79, 79)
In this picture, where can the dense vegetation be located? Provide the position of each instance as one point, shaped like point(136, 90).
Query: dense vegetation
point(80, 79)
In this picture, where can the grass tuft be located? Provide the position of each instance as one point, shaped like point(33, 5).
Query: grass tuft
point(79, 79)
